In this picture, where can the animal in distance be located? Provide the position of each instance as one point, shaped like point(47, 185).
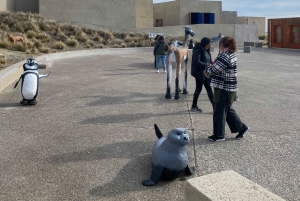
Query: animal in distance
point(178, 55)
point(14, 39)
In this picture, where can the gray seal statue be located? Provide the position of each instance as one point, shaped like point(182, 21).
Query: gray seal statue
point(169, 157)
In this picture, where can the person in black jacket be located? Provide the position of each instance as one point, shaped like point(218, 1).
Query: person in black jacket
point(200, 60)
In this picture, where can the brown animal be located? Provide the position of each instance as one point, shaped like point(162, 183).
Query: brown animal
point(16, 38)
point(178, 55)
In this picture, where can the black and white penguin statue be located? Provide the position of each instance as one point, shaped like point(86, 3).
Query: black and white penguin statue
point(169, 156)
point(30, 82)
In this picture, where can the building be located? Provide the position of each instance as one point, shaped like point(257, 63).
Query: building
point(260, 22)
point(284, 33)
point(183, 12)
point(20, 5)
point(205, 17)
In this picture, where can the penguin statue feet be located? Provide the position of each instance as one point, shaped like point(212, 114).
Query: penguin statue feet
point(32, 102)
point(169, 157)
point(23, 102)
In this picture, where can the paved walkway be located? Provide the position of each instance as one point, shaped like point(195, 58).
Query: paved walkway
point(90, 135)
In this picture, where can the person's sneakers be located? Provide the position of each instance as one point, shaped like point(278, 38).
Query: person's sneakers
point(242, 133)
point(165, 71)
point(215, 138)
point(157, 71)
point(196, 109)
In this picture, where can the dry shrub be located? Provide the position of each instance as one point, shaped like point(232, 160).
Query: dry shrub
point(22, 47)
point(37, 43)
point(106, 34)
point(43, 37)
point(82, 37)
point(127, 39)
point(59, 45)
point(72, 42)
point(90, 43)
point(4, 27)
point(3, 61)
point(31, 34)
point(99, 46)
point(87, 30)
point(115, 46)
point(48, 25)
point(34, 51)
point(97, 38)
point(60, 35)
point(123, 45)
point(29, 44)
point(45, 50)
point(5, 44)
point(133, 44)
point(69, 28)
point(117, 41)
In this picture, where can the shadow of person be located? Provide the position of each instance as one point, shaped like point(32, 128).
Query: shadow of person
point(130, 176)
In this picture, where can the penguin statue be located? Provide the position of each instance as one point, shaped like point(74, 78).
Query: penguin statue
point(30, 82)
point(169, 157)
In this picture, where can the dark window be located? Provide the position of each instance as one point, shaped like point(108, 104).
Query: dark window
point(159, 23)
point(294, 34)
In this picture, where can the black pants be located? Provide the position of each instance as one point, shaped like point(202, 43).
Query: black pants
point(224, 112)
point(199, 84)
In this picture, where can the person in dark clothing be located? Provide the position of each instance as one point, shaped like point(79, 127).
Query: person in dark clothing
point(155, 42)
point(200, 60)
point(160, 52)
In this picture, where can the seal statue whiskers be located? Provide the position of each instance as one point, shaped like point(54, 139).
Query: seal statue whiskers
point(169, 157)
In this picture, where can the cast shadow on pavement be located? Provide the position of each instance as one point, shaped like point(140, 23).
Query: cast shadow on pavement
point(130, 98)
point(128, 178)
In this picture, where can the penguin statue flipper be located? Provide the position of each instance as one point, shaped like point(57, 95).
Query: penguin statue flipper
point(40, 76)
point(155, 176)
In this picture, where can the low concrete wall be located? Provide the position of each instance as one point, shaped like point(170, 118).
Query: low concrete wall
point(226, 186)
point(240, 32)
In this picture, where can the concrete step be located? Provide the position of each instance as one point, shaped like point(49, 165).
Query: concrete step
point(225, 186)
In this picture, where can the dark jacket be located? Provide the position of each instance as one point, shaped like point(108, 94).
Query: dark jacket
point(199, 61)
point(160, 48)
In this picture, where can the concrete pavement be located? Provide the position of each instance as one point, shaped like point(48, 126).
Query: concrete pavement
point(90, 135)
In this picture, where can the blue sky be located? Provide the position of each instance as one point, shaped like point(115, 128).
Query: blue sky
point(260, 8)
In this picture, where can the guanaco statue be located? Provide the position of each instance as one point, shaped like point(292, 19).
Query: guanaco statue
point(178, 55)
point(16, 38)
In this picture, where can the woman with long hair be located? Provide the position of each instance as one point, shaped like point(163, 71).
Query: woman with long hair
point(224, 82)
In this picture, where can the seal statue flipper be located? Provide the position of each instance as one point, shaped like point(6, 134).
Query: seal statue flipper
point(157, 132)
point(189, 171)
point(155, 176)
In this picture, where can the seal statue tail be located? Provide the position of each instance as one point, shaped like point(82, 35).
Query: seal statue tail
point(157, 132)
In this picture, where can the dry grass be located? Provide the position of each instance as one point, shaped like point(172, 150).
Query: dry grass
point(49, 36)
point(3, 61)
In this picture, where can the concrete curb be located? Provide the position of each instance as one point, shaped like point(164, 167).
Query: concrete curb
point(226, 185)
point(13, 72)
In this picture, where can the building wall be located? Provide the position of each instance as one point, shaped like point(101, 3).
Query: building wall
point(31, 6)
point(168, 12)
point(20, 5)
point(286, 32)
point(228, 17)
point(3, 6)
point(240, 32)
point(113, 13)
point(260, 22)
point(188, 6)
point(10, 5)
point(144, 13)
